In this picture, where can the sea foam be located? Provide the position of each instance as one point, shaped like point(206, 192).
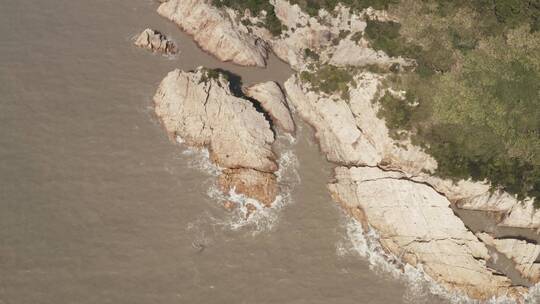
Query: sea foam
point(420, 288)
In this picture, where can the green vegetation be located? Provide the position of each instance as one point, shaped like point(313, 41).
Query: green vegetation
point(271, 22)
point(473, 100)
point(330, 79)
point(308, 53)
point(211, 74)
point(312, 6)
point(234, 80)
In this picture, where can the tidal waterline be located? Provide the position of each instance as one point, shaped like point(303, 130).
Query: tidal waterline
point(98, 206)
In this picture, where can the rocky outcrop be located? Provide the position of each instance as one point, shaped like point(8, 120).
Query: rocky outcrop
point(156, 42)
point(416, 224)
point(332, 35)
point(349, 132)
point(200, 109)
point(271, 98)
point(351, 135)
point(216, 31)
point(524, 254)
point(251, 183)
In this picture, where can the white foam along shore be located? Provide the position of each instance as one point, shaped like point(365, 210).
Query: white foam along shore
point(377, 179)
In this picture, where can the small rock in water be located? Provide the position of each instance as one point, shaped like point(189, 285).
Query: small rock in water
point(229, 206)
point(156, 42)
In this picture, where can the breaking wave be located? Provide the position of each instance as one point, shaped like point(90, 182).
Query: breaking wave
point(261, 218)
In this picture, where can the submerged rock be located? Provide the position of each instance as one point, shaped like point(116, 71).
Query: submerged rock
point(202, 111)
point(258, 185)
point(156, 42)
point(273, 100)
point(216, 31)
point(416, 224)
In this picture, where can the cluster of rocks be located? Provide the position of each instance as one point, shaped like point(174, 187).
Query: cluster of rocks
point(202, 111)
point(384, 183)
point(156, 42)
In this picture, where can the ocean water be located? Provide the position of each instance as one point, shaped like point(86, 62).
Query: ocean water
point(97, 205)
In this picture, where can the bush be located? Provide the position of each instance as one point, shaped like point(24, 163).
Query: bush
point(308, 53)
point(312, 6)
point(481, 119)
point(329, 79)
point(272, 22)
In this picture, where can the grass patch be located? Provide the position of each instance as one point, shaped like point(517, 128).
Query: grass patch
point(330, 79)
point(271, 22)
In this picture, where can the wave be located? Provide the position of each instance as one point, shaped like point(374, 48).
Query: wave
point(262, 218)
point(420, 288)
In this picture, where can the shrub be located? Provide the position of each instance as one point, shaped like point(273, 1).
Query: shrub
point(329, 79)
point(308, 53)
point(272, 22)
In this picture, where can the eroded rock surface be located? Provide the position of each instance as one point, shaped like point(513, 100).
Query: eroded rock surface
point(337, 37)
point(155, 41)
point(351, 134)
point(272, 99)
point(216, 31)
point(258, 185)
point(417, 224)
point(202, 111)
point(523, 253)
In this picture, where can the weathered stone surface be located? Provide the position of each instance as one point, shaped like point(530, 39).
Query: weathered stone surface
point(320, 35)
point(273, 101)
point(417, 224)
point(258, 185)
point(349, 132)
point(470, 195)
point(156, 42)
point(203, 112)
point(524, 254)
point(216, 31)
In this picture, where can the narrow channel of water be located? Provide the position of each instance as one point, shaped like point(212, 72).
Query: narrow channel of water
point(98, 206)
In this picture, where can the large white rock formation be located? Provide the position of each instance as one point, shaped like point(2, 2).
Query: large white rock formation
point(201, 110)
point(416, 224)
point(216, 31)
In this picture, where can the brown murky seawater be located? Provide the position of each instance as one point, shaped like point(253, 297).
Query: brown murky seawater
point(98, 206)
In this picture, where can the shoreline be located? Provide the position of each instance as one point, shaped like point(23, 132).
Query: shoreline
point(426, 180)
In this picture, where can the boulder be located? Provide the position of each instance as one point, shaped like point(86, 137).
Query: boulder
point(155, 41)
point(258, 185)
point(273, 101)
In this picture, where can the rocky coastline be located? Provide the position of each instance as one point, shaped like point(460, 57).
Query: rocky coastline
point(386, 184)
